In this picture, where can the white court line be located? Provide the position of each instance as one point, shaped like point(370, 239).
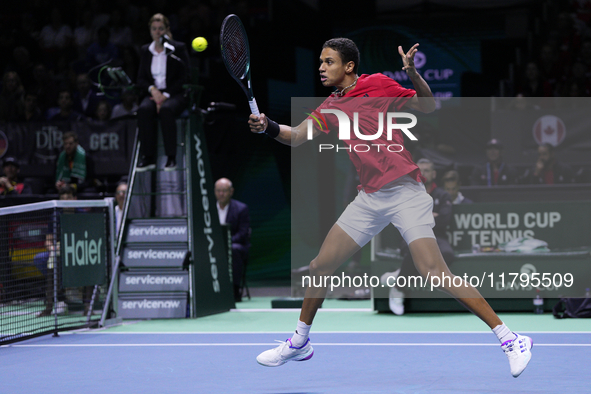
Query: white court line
point(298, 310)
point(488, 332)
point(271, 344)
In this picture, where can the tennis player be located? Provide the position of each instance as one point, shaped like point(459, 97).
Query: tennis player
point(391, 191)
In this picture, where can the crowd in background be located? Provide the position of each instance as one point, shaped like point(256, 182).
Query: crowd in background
point(560, 65)
point(53, 48)
point(54, 52)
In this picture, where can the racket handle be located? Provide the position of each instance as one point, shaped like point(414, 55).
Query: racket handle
point(254, 109)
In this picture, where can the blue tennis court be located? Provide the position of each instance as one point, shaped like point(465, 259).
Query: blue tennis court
point(344, 362)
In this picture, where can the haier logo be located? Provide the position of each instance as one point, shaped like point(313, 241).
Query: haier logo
point(154, 280)
point(145, 304)
point(82, 252)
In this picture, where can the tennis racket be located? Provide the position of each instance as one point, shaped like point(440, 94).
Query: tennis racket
point(236, 55)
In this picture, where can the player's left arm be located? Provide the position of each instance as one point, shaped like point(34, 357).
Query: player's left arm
point(422, 101)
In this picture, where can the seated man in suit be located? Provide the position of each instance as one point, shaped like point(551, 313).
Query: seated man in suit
point(235, 214)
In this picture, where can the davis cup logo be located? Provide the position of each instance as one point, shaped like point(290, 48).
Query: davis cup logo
point(549, 129)
point(420, 59)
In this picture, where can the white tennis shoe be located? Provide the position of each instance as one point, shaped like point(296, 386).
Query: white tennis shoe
point(284, 353)
point(395, 297)
point(518, 352)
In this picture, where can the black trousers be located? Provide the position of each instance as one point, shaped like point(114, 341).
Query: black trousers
point(148, 127)
point(239, 257)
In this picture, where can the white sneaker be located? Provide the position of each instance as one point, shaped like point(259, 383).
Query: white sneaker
point(284, 353)
point(395, 297)
point(518, 352)
point(384, 278)
point(61, 308)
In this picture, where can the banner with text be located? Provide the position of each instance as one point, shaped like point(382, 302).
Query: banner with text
point(36, 145)
point(489, 225)
point(83, 249)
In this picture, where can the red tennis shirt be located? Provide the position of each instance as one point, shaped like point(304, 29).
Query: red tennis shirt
point(375, 168)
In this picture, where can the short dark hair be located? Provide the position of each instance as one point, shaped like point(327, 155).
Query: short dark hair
point(70, 134)
point(346, 48)
point(452, 176)
point(67, 189)
point(426, 161)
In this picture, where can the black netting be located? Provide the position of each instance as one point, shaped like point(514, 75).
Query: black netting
point(33, 300)
point(235, 47)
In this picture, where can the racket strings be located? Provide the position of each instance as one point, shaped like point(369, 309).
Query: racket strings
point(235, 48)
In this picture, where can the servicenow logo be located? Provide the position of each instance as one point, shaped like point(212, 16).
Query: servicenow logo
point(154, 280)
point(154, 230)
point(145, 304)
point(155, 254)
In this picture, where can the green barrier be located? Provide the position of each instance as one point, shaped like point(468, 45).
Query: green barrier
point(212, 286)
point(83, 249)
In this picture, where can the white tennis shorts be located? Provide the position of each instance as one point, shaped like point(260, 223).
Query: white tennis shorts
point(403, 202)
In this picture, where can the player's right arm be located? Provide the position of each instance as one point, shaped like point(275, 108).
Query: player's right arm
point(288, 135)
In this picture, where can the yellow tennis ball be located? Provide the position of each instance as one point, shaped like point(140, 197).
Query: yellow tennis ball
point(199, 44)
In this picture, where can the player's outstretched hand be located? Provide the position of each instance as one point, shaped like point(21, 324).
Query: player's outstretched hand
point(408, 59)
point(257, 124)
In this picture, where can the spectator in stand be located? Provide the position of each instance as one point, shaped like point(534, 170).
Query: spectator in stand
point(85, 97)
point(102, 50)
point(47, 261)
point(31, 111)
point(580, 75)
point(66, 193)
point(121, 34)
point(548, 170)
point(549, 67)
point(533, 84)
point(11, 97)
point(44, 87)
point(120, 194)
point(84, 34)
point(23, 66)
point(451, 184)
point(62, 74)
point(74, 167)
point(99, 17)
point(128, 105)
point(56, 36)
point(65, 111)
point(494, 172)
point(103, 111)
point(26, 35)
point(9, 184)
